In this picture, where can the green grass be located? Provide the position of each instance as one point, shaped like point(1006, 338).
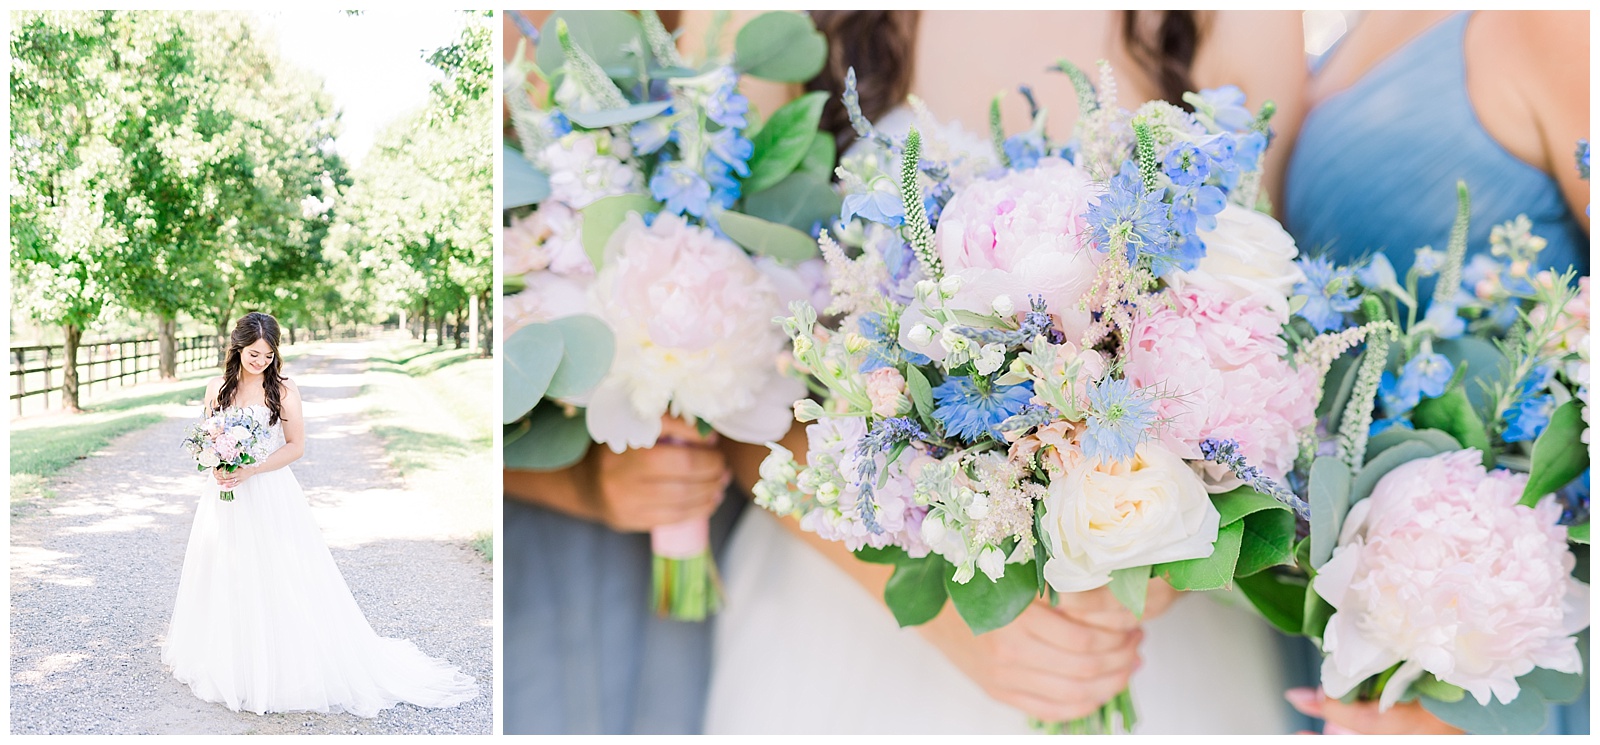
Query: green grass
point(39, 453)
point(483, 543)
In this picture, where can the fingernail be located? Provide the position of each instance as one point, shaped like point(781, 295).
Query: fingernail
point(1301, 698)
point(1333, 729)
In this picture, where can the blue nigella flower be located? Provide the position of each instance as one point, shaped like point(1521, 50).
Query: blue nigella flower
point(1378, 273)
point(1227, 104)
point(1024, 150)
point(1128, 213)
point(682, 190)
point(1119, 419)
point(970, 413)
point(1326, 289)
point(727, 106)
point(730, 147)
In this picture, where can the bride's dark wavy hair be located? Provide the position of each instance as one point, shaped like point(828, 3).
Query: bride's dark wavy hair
point(250, 329)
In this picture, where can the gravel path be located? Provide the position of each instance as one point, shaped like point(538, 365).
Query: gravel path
point(94, 573)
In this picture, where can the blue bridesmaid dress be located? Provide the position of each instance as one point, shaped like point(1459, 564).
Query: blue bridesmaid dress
point(584, 653)
point(1374, 170)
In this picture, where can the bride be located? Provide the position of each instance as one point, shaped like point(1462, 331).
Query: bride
point(806, 644)
point(263, 620)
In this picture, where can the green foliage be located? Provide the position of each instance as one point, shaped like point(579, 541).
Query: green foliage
point(820, 157)
point(553, 439)
point(784, 141)
point(1477, 362)
point(532, 355)
point(801, 200)
point(523, 184)
point(1393, 436)
point(1370, 474)
point(1209, 573)
point(1130, 586)
point(916, 592)
point(1453, 414)
point(1279, 596)
point(603, 216)
point(1330, 500)
point(587, 349)
point(780, 46)
point(985, 605)
point(1558, 456)
point(613, 39)
point(765, 238)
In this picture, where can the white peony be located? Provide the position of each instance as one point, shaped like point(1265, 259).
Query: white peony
point(209, 458)
point(1248, 255)
point(1102, 516)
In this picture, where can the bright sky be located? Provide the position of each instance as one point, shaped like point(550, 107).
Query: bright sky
point(372, 64)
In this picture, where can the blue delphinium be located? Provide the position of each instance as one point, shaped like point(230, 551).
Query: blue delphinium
point(901, 262)
point(1378, 273)
point(1119, 418)
point(1425, 375)
point(1186, 165)
point(1379, 425)
point(726, 106)
point(884, 349)
point(680, 189)
point(652, 134)
point(1327, 292)
point(971, 410)
point(1227, 107)
point(1574, 499)
point(1129, 214)
point(881, 203)
point(1530, 413)
point(731, 148)
point(1024, 149)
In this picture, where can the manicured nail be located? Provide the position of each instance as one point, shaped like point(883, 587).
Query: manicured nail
point(1333, 729)
point(1303, 700)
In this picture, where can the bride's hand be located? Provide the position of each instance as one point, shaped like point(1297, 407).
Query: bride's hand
point(1098, 607)
point(1045, 663)
point(1364, 718)
point(681, 478)
point(229, 480)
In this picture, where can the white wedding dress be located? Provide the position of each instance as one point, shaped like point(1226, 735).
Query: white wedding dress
point(264, 621)
point(802, 649)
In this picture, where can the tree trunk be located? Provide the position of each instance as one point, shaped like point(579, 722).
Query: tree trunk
point(291, 334)
point(460, 325)
point(222, 342)
point(169, 347)
point(472, 323)
point(424, 324)
point(69, 370)
point(438, 335)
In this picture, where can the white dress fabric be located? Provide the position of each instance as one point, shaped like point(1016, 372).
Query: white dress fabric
point(264, 621)
point(801, 648)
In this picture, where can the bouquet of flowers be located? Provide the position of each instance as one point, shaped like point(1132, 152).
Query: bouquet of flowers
point(1056, 367)
point(229, 439)
point(1432, 572)
point(670, 224)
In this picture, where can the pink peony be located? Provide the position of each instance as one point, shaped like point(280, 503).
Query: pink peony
point(1441, 570)
point(886, 389)
point(833, 440)
point(1019, 235)
point(1220, 364)
point(547, 297)
point(692, 316)
point(546, 240)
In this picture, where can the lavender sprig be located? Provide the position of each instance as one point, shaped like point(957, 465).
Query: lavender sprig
point(882, 438)
point(1226, 452)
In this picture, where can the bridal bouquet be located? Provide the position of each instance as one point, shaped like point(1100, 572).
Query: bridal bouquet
point(1433, 573)
point(1056, 367)
point(229, 440)
point(671, 223)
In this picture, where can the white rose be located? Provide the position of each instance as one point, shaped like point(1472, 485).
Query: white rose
point(209, 458)
point(238, 434)
point(1249, 254)
point(1101, 516)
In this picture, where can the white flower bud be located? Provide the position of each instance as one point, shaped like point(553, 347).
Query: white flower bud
point(828, 493)
point(854, 342)
point(921, 334)
point(1002, 305)
point(934, 529)
point(992, 561)
point(782, 504)
point(953, 342)
point(926, 288)
point(950, 285)
point(806, 410)
point(802, 345)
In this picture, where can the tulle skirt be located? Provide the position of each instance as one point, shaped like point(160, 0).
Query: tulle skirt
point(264, 621)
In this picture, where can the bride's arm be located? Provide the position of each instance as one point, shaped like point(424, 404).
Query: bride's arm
point(294, 441)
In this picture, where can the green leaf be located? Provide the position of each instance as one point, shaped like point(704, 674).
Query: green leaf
point(1559, 455)
point(512, 432)
point(1129, 587)
point(916, 594)
point(1367, 479)
point(1268, 541)
point(1433, 688)
point(586, 355)
point(554, 440)
point(985, 605)
point(522, 184)
point(1341, 381)
point(1393, 436)
point(1209, 573)
point(800, 201)
point(603, 216)
point(820, 158)
point(613, 38)
point(1330, 500)
point(759, 236)
point(1452, 414)
point(1316, 615)
point(784, 141)
point(1483, 361)
point(921, 392)
point(885, 555)
point(780, 46)
point(531, 356)
point(1279, 597)
point(1578, 533)
point(1525, 715)
point(613, 117)
point(1243, 501)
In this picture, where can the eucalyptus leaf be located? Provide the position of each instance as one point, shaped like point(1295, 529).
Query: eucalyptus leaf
point(614, 38)
point(766, 238)
point(799, 201)
point(613, 117)
point(781, 46)
point(522, 184)
point(530, 358)
point(916, 593)
point(586, 356)
point(511, 432)
point(1441, 441)
point(1212, 572)
point(821, 157)
point(986, 606)
point(1316, 615)
point(603, 216)
point(554, 440)
point(1330, 500)
point(1483, 365)
point(1578, 533)
point(1525, 715)
point(1559, 455)
point(1129, 587)
point(1433, 688)
point(783, 141)
point(1367, 479)
point(1279, 597)
point(1452, 413)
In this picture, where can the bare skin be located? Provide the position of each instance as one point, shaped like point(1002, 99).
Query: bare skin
point(1525, 73)
point(1364, 718)
point(254, 360)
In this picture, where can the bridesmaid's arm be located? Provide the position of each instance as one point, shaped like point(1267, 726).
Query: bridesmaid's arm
point(1555, 49)
point(765, 95)
point(1262, 52)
